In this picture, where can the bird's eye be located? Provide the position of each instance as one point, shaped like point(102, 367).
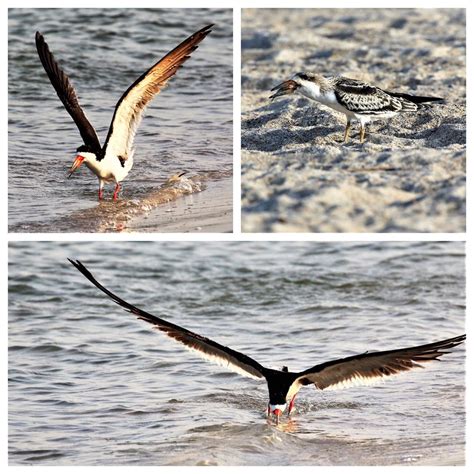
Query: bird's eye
point(303, 76)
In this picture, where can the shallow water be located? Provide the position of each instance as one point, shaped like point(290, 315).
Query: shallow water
point(187, 127)
point(90, 384)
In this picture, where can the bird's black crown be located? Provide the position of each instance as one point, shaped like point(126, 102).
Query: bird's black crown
point(85, 149)
point(305, 77)
point(99, 154)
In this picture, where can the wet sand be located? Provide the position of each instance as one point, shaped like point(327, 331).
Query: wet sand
point(409, 175)
point(198, 203)
point(206, 211)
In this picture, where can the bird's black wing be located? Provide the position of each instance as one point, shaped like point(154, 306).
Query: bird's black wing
point(66, 93)
point(204, 347)
point(365, 368)
point(362, 98)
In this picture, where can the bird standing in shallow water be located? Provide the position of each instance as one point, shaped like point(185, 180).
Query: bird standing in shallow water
point(358, 100)
point(114, 160)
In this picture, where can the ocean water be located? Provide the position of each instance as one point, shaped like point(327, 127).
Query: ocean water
point(187, 127)
point(91, 384)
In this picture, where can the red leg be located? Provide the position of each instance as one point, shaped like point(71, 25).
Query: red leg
point(292, 405)
point(101, 194)
point(117, 189)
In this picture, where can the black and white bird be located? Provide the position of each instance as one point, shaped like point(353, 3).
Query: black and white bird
point(356, 99)
point(113, 161)
point(283, 385)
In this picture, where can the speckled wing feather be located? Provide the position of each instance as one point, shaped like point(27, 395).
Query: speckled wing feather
point(131, 106)
point(365, 368)
point(203, 346)
point(66, 93)
point(362, 98)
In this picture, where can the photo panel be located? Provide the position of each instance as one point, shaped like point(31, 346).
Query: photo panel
point(353, 120)
point(171, 171)
point(303, 353)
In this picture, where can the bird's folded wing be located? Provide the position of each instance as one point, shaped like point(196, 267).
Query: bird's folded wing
point(66, 93)
point(203, 346)
point(367, 368)
point(362, 98)
point(131, 106)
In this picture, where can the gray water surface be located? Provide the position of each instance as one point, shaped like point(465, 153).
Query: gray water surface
point(91, 384)
point(187, 127)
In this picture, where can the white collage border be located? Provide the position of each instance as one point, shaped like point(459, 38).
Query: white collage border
point(236, 5)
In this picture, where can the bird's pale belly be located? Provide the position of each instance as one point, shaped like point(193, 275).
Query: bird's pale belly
point(111, 169)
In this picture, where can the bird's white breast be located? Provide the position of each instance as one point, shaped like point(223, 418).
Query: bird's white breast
point(312, 91)
point(110, 168)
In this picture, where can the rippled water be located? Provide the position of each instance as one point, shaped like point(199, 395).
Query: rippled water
point(90, 384)
point(187, 127)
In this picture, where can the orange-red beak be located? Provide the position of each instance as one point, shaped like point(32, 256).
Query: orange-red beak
point(77, 162)
point(277, 412)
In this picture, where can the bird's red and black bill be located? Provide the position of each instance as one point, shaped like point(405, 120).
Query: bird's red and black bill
point(77, 162)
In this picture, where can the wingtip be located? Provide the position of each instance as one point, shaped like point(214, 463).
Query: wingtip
point(206, 30)
point(76, 263)
point(80, 266)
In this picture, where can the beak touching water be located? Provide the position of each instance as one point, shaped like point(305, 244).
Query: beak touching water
point(277, 414)
point(276, 410)
point(285, 88)
point(77, 162)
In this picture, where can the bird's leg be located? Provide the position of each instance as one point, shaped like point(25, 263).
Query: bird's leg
point(346, 133)
point(291, 405)
point(101, 187)
point(117, 189)
point(362, 133)
point(268, 411)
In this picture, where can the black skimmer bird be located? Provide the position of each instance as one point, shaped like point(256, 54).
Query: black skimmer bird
point(283, 385)
point(113, 161)
point(358, 100)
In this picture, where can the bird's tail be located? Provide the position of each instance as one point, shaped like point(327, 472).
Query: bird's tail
point(416, 99)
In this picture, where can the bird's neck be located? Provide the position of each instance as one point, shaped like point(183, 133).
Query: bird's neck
point(319, 89)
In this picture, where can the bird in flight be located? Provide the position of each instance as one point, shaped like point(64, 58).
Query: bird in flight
point(283, 385)
point(113, 161)
point(356, 99)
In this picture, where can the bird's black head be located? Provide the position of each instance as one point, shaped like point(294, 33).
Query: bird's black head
point(85, 154)
point(86, 149)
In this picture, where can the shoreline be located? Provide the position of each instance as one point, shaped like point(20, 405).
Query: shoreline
point(207, 211)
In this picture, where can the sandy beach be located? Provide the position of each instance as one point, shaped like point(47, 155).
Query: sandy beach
point(409, 175)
